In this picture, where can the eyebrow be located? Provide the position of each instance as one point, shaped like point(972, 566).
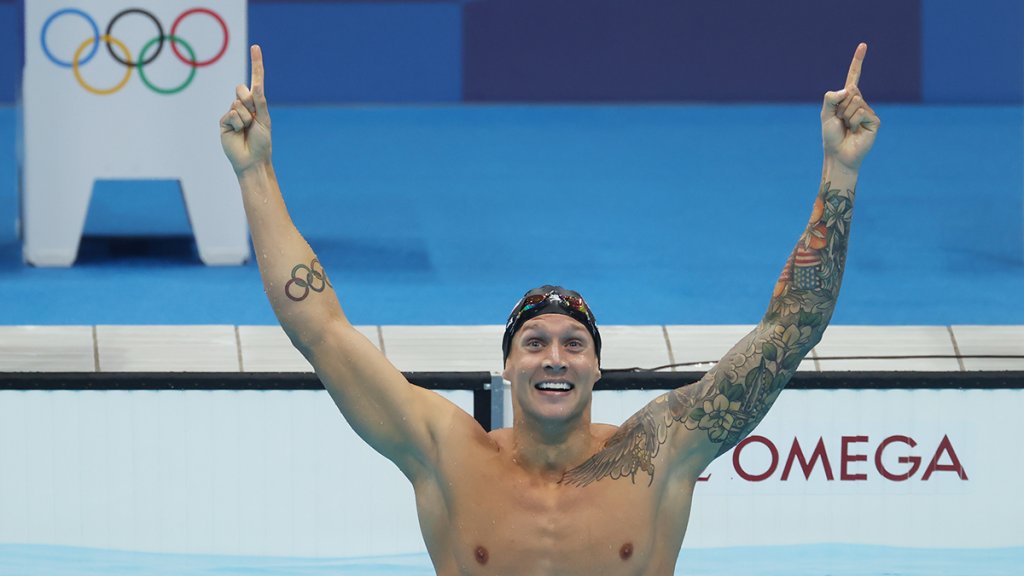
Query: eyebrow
point(575, 331)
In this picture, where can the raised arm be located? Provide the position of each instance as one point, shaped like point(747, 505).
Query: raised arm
point(399, 420)
point(703, 420)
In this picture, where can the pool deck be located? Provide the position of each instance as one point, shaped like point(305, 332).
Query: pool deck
point(255, 349)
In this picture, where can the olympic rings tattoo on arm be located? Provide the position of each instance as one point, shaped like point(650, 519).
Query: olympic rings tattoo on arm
point(305, 279)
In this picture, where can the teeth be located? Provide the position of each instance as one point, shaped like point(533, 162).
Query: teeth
point(557, 386)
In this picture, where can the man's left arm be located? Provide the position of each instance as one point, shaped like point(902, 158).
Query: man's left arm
point(733, 397)
point(704, 420)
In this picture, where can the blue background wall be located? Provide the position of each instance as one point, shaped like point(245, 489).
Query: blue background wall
point(613, 50)
point(668, 50)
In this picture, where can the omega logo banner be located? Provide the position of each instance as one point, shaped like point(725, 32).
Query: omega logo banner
point(919, 468)
point(855, 458)
point(115, 90)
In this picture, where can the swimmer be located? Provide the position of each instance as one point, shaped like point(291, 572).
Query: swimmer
point(554, 494)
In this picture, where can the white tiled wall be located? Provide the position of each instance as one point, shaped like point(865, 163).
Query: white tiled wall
point(444, 348)
point(700, 347)
point(268, 349)
point(167, 349)
point(634, 347)
point(478, 348)
point(883, 344)
point(704, 345)
point(47, 349)
point(994, 340)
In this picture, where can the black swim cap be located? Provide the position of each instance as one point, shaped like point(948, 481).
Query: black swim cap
point(550, 299)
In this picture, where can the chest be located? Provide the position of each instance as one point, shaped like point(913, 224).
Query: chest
point(504, 522)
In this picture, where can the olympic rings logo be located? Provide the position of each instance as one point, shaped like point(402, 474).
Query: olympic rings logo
point(145, 57)
point(306, 278)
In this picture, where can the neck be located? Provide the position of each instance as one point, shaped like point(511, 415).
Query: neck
point(550, 449)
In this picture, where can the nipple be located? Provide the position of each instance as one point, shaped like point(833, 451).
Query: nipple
point(626, 551)
point(481, 555)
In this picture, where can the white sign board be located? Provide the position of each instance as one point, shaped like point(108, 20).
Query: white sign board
point(114, 90)
point(910, 468)
point(281, 473)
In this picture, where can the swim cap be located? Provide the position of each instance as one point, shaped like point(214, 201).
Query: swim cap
point(550, 299)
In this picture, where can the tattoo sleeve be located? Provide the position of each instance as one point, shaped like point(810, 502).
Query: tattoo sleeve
point(730, 400)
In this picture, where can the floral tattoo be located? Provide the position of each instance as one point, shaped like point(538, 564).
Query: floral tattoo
point(733, 397)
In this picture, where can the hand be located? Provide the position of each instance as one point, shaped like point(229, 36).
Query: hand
point(848, 124)
point(245, 129)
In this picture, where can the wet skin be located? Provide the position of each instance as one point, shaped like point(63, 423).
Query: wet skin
point(554, 494)
point(497, 503)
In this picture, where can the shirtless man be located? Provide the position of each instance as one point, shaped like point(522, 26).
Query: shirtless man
point(554, 494)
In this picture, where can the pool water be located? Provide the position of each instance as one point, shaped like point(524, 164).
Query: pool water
point(804, 560)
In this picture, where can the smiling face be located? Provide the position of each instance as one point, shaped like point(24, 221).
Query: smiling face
point(552, 365)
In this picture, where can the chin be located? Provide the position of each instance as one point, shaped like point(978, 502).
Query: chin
point(566, 411)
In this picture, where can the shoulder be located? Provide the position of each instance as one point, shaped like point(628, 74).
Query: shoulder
point(650, 444)
point(500, 439)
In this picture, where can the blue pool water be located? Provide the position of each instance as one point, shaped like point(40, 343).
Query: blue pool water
point(806, 560)
point(447, 214)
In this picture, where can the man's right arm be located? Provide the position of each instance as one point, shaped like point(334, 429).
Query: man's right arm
point(399, 420)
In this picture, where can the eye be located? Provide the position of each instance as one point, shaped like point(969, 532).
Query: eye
point(534, 343)
point(575, 344)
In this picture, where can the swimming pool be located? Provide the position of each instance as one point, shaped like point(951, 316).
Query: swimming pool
point(806, 560)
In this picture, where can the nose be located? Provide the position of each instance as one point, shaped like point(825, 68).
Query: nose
point(553, 361)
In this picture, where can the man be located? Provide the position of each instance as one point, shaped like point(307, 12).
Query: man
point(554, 494)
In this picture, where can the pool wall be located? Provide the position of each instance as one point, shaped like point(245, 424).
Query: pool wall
point(280, 473)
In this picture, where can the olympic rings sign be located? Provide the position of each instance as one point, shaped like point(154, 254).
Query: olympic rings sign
point(124, 58)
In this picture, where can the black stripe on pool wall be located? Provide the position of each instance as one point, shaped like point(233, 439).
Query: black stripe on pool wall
point(216, 380)
point(480, 381)
point(982, 380)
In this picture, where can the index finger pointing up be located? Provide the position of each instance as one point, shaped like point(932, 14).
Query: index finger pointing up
point(259, 97)
point(853, 76)
point(257, 67)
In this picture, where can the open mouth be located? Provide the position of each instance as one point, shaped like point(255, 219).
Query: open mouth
point(552, 386)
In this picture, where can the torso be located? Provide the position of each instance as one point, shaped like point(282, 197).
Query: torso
point(481, 513)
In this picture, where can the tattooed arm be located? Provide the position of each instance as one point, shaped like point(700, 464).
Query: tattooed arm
point(397, 419)
point(704, 420)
